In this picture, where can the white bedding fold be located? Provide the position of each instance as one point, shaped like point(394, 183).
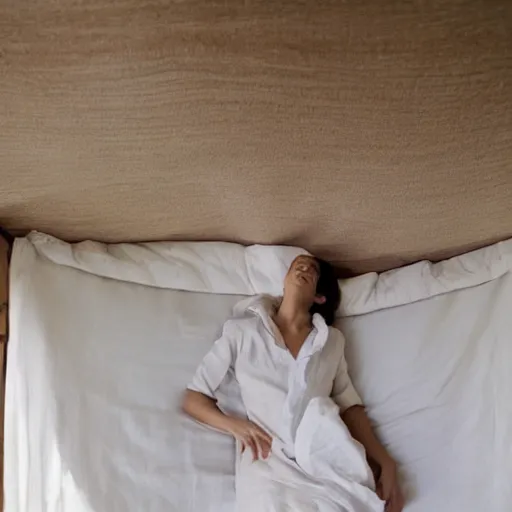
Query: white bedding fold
point(226, 268)
point(371, 292)
point(205, 267)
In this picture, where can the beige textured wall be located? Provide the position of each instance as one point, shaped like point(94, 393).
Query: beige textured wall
point(372, 132)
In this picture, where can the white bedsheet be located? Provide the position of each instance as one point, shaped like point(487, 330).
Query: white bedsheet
point(96, 367)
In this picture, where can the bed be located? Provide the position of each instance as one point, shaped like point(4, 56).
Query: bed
point(105, 337)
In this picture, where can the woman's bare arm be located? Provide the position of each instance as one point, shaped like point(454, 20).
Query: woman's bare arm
point(204, 409)
point(357, 422)
point(359, 425)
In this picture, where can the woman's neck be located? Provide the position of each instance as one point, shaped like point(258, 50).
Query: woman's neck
point(293, 315)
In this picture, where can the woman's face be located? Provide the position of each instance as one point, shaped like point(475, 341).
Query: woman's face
point(302, 278)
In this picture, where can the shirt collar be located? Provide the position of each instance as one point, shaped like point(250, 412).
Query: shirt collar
point(265, 307)
point(322, 332)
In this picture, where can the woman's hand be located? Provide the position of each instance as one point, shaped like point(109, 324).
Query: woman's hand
point(204, 409)
point(250, 436)
point(388, 488)
point(382, 464)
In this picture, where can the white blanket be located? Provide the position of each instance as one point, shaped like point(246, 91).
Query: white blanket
point(330, 473)
point(103, 341)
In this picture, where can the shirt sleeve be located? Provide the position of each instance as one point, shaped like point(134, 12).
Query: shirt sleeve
point(343, 392)
point(216, 363)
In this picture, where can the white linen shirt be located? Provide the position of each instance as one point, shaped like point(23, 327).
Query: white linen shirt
point(275, 387)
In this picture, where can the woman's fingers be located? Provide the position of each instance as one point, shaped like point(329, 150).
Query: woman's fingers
point(253, 446)
point(397, 500)
point(264, 450)
point(264, 444)
point(261, 447)
point(395, 503)
point(263, 435)
point(256, 439)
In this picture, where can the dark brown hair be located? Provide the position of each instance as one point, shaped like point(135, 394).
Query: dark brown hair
point(327, 286)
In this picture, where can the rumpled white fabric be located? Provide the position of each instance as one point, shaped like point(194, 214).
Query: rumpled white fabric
point(206, 267)
point(325, 448)
point(97, 362)
point(329, 474)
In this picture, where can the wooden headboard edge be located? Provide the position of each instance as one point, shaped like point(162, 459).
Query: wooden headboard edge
point(6, 241)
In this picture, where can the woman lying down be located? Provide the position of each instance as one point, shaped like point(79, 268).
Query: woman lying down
point(296, 452)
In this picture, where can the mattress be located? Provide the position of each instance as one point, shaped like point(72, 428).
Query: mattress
point(105, 338)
